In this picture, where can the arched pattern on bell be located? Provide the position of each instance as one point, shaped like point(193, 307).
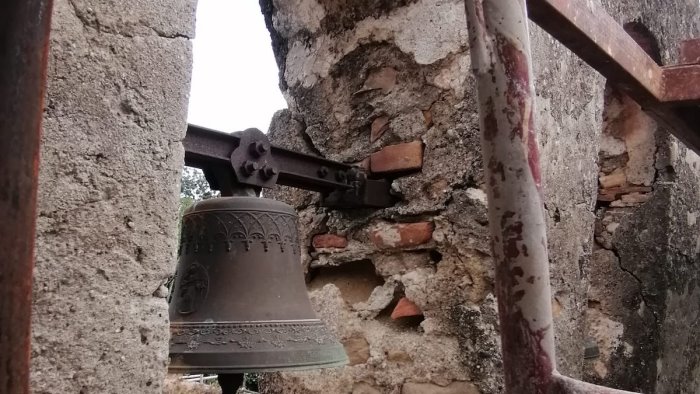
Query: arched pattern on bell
point(239, 303)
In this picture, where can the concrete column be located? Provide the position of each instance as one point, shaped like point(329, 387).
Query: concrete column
point(111, 158)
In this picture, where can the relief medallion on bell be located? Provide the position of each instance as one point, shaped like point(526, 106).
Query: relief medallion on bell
point(194, 289)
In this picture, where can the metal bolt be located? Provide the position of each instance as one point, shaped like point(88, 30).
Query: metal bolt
point(323, 171)
point(353, 174)
point(249, 167)
point(341, 176)
point(258, 148)
point(269, 172)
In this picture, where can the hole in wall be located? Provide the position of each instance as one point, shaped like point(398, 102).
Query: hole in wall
point(435, 256)
point(644, 38)
point(557, 215)
point(355, 280)
point(403, 324)
point(628, 146)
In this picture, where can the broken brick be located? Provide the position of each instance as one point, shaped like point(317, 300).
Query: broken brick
point(325, 241)
point(398, 158)
point(402, 234)
point(406, 308)
point(379, 126)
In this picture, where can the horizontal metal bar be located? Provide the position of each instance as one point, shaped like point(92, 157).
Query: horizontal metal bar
point(301, 171)
point(587, 30)
point(683, 122)
point(207, 148)
point(681, 84)
point(669, 94)
point(690, 51)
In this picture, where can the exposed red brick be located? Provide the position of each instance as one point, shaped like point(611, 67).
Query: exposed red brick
point(406, 308)
point(613, 193)
point(615, 179)
point(379, 126)
point(636, 198)
point(398, 158)
point(322, 241)
point(402, 235)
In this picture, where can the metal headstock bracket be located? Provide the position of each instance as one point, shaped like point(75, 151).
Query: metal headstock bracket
point(246, 160)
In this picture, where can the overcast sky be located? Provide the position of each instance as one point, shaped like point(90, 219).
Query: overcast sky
point(234, 80)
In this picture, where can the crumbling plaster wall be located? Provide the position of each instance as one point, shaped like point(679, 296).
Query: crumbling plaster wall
point(111, 158)
point(391, 81)
point(643, 301)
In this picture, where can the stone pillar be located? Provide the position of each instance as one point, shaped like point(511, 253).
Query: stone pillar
point(111, 158)
point(409, 289)
point(644, 297)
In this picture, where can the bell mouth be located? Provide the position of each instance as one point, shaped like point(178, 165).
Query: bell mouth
point(261, 346)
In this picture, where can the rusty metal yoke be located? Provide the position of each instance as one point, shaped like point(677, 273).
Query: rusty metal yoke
point(247, 159)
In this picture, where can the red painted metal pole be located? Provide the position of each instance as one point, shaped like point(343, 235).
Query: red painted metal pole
point(24, 30)
point(500, 51)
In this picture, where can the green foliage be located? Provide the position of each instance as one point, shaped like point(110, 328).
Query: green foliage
point(250, 381)
point(195, 186)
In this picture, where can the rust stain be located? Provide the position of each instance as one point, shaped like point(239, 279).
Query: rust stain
point(490, 122)
point(512, 233)
point(517, 95)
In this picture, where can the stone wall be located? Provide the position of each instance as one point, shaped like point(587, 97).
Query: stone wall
point(111, 158)
point(408, 289)
point(643, 301)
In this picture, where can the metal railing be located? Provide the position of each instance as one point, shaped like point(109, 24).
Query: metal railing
point(200, 378)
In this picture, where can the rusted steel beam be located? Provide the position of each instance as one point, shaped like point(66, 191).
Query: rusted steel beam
point(681, 85)
point(206, 147)
point(225, 159)
point(24, 30)
point(500, 52)
point(690, 51)
point(682, 121)
point(669, 94)
point(587, 30)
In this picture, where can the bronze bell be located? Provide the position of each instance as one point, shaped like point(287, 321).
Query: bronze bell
point(239, 303)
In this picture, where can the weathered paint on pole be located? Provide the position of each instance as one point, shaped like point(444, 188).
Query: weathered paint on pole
point(24, 30)
point(500, 50)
